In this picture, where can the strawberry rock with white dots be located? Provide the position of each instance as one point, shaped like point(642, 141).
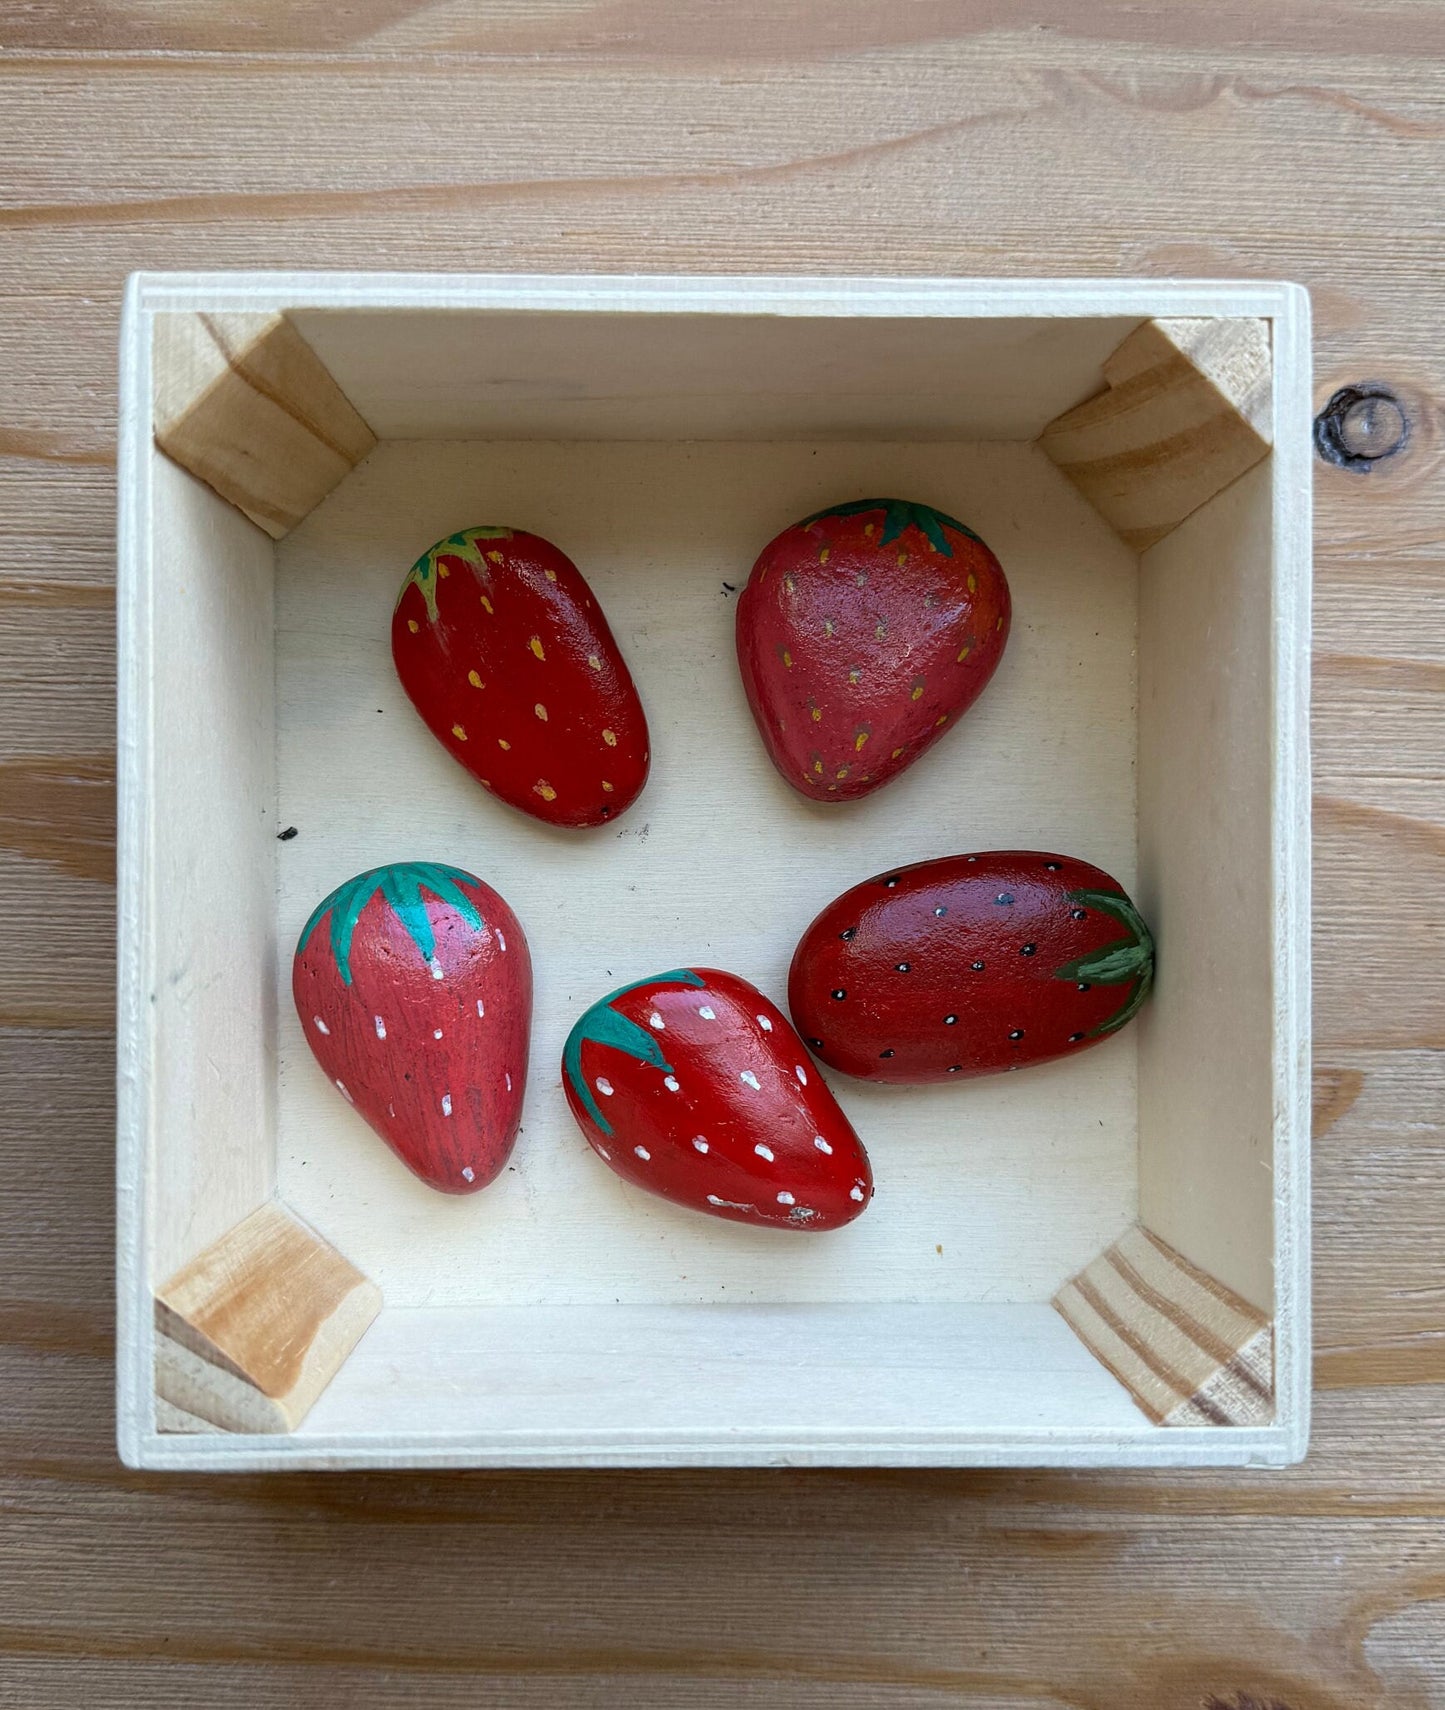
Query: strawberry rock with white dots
point(506, 654)
point(413, 988)
point(969, 965)
point(694, 1086)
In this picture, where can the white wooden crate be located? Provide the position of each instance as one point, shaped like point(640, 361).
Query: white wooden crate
point(1102, 1261)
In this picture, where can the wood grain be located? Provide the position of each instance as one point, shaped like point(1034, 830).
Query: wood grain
point(1304, 140)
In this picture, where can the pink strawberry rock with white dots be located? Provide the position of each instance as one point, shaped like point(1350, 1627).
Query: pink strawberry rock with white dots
point(968, 965)
point(413, 987)
point(695, 1086)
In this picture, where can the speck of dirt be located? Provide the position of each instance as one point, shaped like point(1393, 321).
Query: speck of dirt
point(728, 588)
point(286, 835)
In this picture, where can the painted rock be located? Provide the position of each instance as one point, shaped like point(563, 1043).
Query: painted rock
point(413, 985)
point(863, 633)
point(506, 655)
point(969, 965)
point(694, 1086)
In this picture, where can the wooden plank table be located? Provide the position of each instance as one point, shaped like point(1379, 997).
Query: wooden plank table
point(1303, 139)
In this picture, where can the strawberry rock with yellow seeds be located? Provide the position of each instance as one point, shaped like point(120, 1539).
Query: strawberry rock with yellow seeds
point(505, 653)
point(863, 634)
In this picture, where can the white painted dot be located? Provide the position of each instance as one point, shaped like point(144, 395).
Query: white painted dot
point(391, 1110)
point(764, 1151)
point(481, 1007)
point(321, 1026)
point(822, 1144)
point(603, 1086)
point(707, 1013)
point(765, 1024)
point(655, 1020)
point(345, 1092)
point(643, 1153)
point(786, 1199)
point(699, 1144)
point(602, 1152)
point(855, 1193)
point(748, 1078)
point(469, 1174)
point(731, 1204)
point(436, 969)
point(436, 1033)
point(801, 1073)
point(670, 1082)
point(508, 1080)
point(380, 1027)
point(501, 938)
point(446, 1104)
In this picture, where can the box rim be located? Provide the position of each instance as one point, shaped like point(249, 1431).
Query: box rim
point(1285, 305)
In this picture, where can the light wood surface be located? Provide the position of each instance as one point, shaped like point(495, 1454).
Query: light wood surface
point(1303, 140)
point(250, 1331)
point(243, 403)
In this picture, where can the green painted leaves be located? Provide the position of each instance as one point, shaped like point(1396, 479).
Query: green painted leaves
point(1126, 961)
point(401, 884)
point(899, 514)
point(461, 545)
point(604, 1026)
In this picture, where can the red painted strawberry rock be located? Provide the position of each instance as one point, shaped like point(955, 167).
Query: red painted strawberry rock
point(864, 632)
point(694, 1086)
point(968, 965)
point(506, 655)
point(413, 986)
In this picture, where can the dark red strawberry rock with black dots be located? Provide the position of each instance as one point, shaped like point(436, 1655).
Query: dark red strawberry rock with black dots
point(506, 654)
point(413, 986)
point(694, 1086)
point(864, 633)
point(968, 965)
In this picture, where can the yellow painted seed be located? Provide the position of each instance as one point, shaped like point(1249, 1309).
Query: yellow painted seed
point(917, 692)
point(540, 711)
point(941, 719)
point(536, 645)
point(486, 604)
point(442, 571)
point(494, 557)
point(412, 625)
point(963, 654)
point(594, 661)
point(545, 790)
point(842, 772)
point(502, 742)
point(999, 624)
point(787, 659)
point(829, 627)
point(818, 767)
point(868, 530)
point(789, 584)
point(897, 752)
point(606, 786)
point(823, 556)
point(972, 583)
point(551, 575)
point(881, 630)
point(902, 557)
point(859, 740)
point(474, 679)
point(610, 738)
point(459, 733)
point(832, 788)
point(855, 676)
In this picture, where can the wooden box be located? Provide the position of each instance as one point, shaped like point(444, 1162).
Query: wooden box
point(1100, 1262)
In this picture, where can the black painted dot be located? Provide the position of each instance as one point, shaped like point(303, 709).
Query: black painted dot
point(885, 1053)
point(840, 994)
point(817, 1044)
point(1052, 866)
point(891, 880)
point(977, 967)
point(1082, 986)
point(1004, 898)
point(848, 934)
point(1017, 1033)
point(1027, 949)
point(1077, 914)
point(1074, 1038)
point(903, 967)
point(950, 1021)
point(940, 910)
